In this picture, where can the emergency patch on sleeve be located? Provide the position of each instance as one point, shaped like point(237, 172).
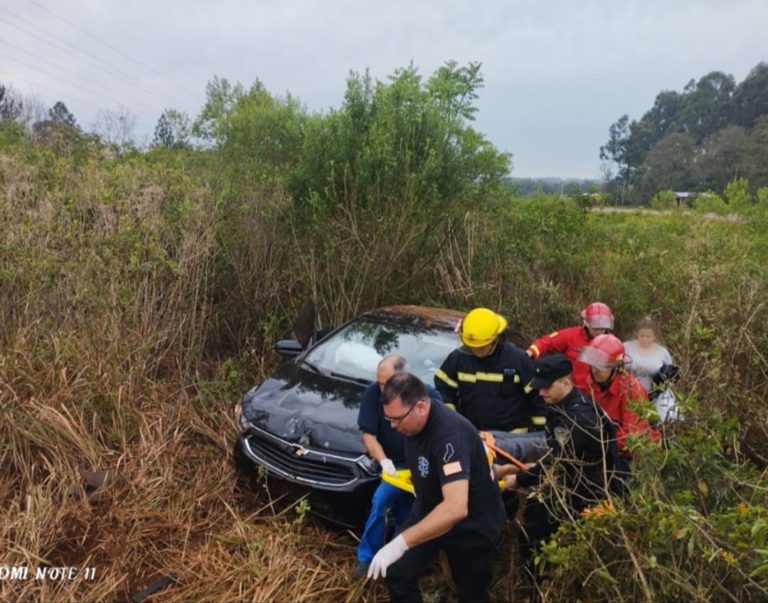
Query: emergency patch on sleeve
point(448, 452)
point(452, 468)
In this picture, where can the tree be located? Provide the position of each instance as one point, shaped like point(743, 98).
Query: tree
point(722, 157)
point(221, 97)
point(385, 180)
point(116, 127)
point(388, 137)
point(706, 106)
point(669, 165)
point(455, 89)
point(750, 99)
point(756, 156)
point(60, 130)
point(664, 113)
point(11, 105)
point(60, 115)
point(615, 152)
point(172, 130)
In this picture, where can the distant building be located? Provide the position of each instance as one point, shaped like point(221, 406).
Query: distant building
point(684, 199)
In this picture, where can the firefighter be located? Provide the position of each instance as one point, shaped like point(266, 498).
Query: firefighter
point(597, 319)
point(487, 378)
point(613, 387)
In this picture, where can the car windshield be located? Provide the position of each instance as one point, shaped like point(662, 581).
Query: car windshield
point(356, 349)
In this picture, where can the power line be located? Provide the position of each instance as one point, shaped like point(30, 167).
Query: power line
point(110, 46)
point(59, 94)
point(66, 96)
point(80, 58)
point(55, 92)
point(69, 82)
point(110, 70)
point(63, 69)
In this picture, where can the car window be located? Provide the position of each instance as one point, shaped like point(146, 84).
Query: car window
point(357, 348)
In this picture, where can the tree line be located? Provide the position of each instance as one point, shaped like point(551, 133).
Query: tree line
point(711, 133)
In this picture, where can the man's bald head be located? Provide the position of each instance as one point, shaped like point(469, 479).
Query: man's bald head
point(388, 366)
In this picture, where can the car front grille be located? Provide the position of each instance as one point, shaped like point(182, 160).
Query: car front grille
point(300, 464)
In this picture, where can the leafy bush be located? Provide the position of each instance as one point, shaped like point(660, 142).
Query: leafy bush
point(737, 194)
point(694, 527)
point(663, 200)
point(711, 203)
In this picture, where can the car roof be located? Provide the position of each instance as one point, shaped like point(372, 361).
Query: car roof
point(417, 315)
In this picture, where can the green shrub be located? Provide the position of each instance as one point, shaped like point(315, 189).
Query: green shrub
point(737, 194)
point(663, 200)
point(695, 527)
point(711, 203)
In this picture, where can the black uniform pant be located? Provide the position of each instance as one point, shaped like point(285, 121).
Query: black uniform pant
point(471, 569)
point(538, 525)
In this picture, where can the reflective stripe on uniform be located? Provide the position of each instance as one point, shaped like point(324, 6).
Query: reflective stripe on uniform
point(450, 405)
point(539, 421)
point(480, 376)
point(527, 389)
point(519, 430)
point(440, 374)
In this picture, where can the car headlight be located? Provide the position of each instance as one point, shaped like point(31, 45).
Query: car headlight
point(368, 464)
point(242, 423)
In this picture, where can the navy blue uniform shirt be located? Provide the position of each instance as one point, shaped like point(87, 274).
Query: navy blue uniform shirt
point(371, 420)
point(448, 449)
point(582, 439)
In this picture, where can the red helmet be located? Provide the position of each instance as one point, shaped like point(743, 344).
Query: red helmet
point(604, 352)
point(598, 315)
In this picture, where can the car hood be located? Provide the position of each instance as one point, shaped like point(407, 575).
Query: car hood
point(307, 408)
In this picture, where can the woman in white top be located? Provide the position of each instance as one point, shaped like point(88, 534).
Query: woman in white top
point(647, 358)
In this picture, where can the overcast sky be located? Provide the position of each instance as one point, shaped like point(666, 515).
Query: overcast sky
point(557, 73)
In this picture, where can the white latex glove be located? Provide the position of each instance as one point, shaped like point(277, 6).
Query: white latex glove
point(386, 556)
point(388, 467)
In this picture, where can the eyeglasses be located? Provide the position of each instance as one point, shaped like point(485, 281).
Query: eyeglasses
point(401, 418)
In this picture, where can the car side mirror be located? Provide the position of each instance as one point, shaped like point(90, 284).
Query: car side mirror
point(288, 348)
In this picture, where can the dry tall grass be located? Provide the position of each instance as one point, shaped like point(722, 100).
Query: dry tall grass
point(105, 309)
point(166, 508)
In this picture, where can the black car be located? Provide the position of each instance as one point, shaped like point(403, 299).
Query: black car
point(301, 423)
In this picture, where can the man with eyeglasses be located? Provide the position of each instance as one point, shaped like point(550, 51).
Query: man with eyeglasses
point(458, 506)
point(385, 445)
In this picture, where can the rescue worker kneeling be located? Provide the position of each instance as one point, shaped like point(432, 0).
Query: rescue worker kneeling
point(582, 446)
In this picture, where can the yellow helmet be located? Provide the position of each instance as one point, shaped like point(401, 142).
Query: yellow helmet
point(481, 327)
